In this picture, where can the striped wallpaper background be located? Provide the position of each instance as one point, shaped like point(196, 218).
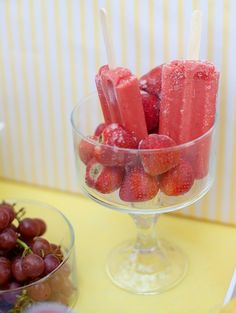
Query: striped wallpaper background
point(50, 51)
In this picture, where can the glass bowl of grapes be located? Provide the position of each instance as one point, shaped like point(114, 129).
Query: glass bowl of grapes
point(37, 261)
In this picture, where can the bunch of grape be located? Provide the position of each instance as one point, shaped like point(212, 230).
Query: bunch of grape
point(26, 257)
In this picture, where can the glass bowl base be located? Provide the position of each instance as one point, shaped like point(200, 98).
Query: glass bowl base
point(146, 272)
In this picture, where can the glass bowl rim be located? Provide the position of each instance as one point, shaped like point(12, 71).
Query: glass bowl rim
point(68, 253)
point(167, 149)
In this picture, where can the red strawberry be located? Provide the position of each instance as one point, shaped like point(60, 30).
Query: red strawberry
point(151, 106)
point(102, 178)
point(198, 155)
point(138, 186)
point(151, 81)
point(114, 136)
point(100, 129)
point(178, 180)
point(158, 162)
point(86, 148)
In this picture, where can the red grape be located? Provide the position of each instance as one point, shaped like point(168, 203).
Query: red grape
point(11, 295)
point(10, 209)
point(42, 226)
point(8, 239)
point(51, 263)
point(17, 269)
point(41, 247)
point(39, 292)
point(28, 228)
point(5, 270)
point(26, 257)
point(4, 219)
point(33, 265)
point(56, 282)
point(56, 250)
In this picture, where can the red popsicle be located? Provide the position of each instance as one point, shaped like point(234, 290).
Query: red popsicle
point(188, 105)
point(122, 93)
point(104, 104)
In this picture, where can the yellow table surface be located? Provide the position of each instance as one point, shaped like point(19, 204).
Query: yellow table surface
point(211, 250)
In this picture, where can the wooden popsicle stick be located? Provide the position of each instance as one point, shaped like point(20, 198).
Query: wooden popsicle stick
point(195, 35)
point(107, 39)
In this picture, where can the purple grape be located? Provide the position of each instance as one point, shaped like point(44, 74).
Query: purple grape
point(41, 247)
point(5, 270)
point(33, 265)
point(42, 226)
point(17, 270)
point(10, 296)
point(8, 239)
point(29, 228)
point(4, 219)
point(10, 209)
point(51, 263)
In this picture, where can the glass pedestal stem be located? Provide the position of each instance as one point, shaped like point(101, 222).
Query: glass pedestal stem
point(146, 265)
point(146, 241)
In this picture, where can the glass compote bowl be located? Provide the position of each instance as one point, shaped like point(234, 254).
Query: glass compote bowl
point(145, 265)
point(60, 285)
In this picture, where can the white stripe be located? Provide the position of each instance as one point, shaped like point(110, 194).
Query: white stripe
point(35, 127)
point(56, 92)
point(144, 38)
point(187, 5)
point(203, 49)
point(129, 26)
point(218, 26)
point(173, 12)
point(46, 129)
point(230, 113)
point(159, 33)
point(3, 141)
point(10, 105)
point(68, 85)
point(21, 96)
point(116, 35)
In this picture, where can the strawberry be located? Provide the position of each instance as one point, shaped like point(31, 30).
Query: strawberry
point(86, 148)
point(178, 180)
point(102, 178)
point(158, 162)
point(198, 155)
point(138, 186)
point(100, 129)
point(115, 136)
point(151, 81)
point(151, 105)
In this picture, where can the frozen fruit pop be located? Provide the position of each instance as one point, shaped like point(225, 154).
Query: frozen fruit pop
point(188, 106)
point(151, 81)
point(188, 102)
point(122, 93)
point(102, 98)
